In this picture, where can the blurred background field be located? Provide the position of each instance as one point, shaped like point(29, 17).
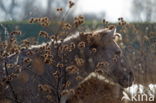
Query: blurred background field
point(32, 30)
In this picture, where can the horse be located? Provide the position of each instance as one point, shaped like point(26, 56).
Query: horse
point(51, 71)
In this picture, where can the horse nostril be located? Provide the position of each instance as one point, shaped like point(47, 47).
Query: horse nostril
point(131, 75)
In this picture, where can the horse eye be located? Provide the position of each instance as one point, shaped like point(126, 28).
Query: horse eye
point(118, 52)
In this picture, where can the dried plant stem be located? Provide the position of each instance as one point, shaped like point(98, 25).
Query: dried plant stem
point(10, 85)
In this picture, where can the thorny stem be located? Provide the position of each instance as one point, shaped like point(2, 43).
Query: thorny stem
point(58, 94)
point(10, 85)
point(63, 18)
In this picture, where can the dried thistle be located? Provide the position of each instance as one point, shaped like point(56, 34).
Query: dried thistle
point(81, 45)
point(72, 69)
point(79, 78)
point(102, 64)
point(60, 65)
point(44, 21)
point(122, 22)
point(45, 88)
point(94, 50)
point(72, 45)
point(49, 97)
point(59, 9)
point(64, 92)
point(71, 4)
point(27, 60)
point(43, 34)
point(67, 84)
point(17, 32)
point(56, 74)
point(78, 20)
point(79, 61)
point(66, 26)
point(115, 58)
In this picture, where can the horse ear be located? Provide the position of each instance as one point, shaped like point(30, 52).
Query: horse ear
point(113, 31)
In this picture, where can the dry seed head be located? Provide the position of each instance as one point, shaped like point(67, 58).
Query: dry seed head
point(71, 4)
point(107, 22)
point(17, 32)
point(72, 91)
point(27, 60)
point(120, 23)
point(45, 55)
point(49, 97)
point(124, 23)
point(63, 48)
point(45, 18)
point(93, 50)
point(43, 34)
point(31, 20)
point(59, 9)
point(48, 61)
point(81, 45)
point(66, 26)
point(12, 40)
point(78, 20)
point(60, 65)
point(72, 69)
point(36, 20)
point(45, 88)
point(102, 64)
point(14, 50)
point(82, 34)
point(10, 65)
point(79, 78)
point(68, 83)
point(72, 45)
point(64, 92)
point(3, 44)
point(114, 59)
point(103, 20)
point(26, 43)
point(120, 19)
point(9, 77)
point(56, 74)
point(52, 37)
point(79, 61)
point(29, 53)
point(44, 21)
